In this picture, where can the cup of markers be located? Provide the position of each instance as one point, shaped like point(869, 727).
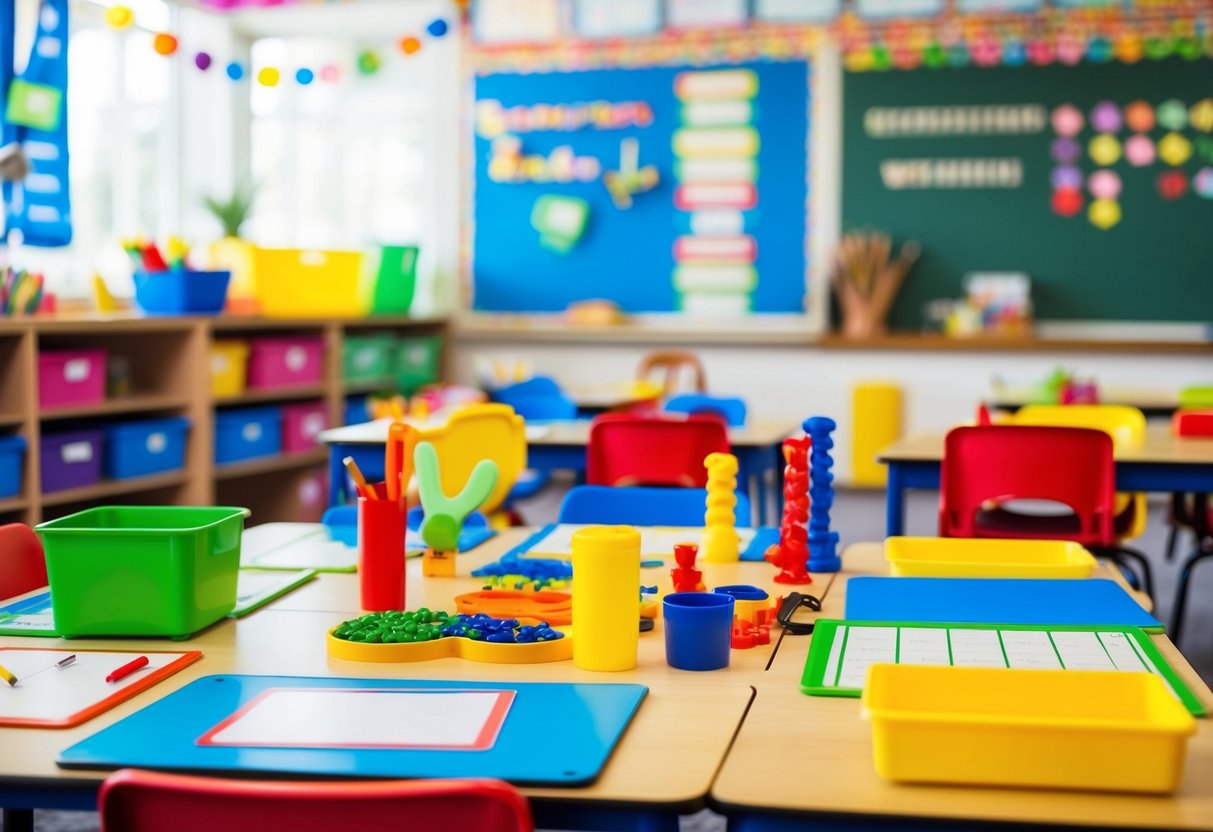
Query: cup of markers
point(21, 293)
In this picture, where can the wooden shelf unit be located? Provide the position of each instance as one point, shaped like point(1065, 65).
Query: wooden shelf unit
point(168, 362)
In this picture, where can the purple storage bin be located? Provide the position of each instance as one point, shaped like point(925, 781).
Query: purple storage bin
point(71, 377)
point(71, 460)
point(301, 423)
point(285, 362)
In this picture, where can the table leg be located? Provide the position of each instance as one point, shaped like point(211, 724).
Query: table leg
point(336, 476)
point(895, 501)
point(17, 820)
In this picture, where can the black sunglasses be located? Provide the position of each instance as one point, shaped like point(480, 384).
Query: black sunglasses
point(792, 602)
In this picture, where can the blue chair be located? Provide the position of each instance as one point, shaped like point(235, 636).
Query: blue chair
point(642, 506)
point(538, 399)
point(731, 408)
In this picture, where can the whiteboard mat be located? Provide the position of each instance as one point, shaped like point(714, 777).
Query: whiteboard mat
point(366, 718)
point(50, 696)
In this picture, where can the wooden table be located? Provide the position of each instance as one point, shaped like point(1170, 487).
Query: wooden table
point(801, 759)
point(1163, 463)
point(560, 445)
point(663, 766)
point(596, 398)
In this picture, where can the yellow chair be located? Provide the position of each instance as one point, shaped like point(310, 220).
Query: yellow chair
point(1126, 426)
point(476, 432)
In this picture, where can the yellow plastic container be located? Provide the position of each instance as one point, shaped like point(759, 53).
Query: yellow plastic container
point(453, 646)
point(875, 423)
point(959, 557)
point(606, 589)
point(293, 283)
point(229, 365)
point(1053, 729)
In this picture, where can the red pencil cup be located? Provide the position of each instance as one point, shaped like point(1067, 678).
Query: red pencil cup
point(380, 555)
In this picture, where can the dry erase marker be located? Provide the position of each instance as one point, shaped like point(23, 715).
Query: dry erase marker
point(66, 660)
point(8, 677)
point(127, 669)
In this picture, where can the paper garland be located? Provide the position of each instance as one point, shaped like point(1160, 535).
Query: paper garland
point(369, 61)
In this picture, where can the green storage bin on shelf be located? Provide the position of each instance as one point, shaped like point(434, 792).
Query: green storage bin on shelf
point(142, 570)
point(368, 357)
point(417, 361)
point(1200, 396)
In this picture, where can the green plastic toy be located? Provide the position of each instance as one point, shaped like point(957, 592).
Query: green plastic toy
point(444, 515)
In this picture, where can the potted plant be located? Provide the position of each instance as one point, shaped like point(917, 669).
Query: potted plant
point(232, 252)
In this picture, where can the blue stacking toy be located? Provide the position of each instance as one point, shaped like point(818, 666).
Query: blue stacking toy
point(823, 543)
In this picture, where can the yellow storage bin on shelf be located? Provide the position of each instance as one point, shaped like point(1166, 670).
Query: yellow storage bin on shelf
point(1052, 729)
point(229, 366)
point(294, 283)
point(961, 557)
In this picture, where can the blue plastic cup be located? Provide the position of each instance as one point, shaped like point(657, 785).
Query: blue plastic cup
point(698, 626)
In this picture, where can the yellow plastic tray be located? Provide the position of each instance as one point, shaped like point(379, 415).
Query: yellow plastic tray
point(464, 648)
point(1054, 729)
point(958, 557)
point(294, 283)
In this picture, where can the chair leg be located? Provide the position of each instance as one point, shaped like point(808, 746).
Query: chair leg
point(1181, 593)
point(1172, 539)
point(1120, 554)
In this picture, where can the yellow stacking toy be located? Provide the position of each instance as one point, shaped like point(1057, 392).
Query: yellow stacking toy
point(606, 592)
point(720, 542)
point(876, 422)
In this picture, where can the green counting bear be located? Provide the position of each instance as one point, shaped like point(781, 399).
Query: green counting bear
point(444, 515)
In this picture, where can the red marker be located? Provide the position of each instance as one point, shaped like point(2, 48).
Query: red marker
point(127, 669)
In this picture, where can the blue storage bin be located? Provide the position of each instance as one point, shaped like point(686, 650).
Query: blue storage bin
point(149, 446)
point(181, 292)
point(357, 410)
point(12, 455)
point(247, 433)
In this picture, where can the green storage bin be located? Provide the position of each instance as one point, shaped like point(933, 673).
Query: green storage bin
point(395, 280)
point(142, 570)
point(1201, 396)
point(417, 362)
point(368, 357)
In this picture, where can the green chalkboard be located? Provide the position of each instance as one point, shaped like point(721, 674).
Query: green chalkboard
point(1156, 264)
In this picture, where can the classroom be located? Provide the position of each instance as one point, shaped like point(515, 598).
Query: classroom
point(364, 362)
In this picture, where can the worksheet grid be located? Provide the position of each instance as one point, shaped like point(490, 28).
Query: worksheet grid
point(854, 649)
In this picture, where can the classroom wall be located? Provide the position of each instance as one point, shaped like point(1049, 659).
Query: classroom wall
point(940, 388)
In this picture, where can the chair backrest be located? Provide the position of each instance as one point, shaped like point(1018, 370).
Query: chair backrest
point(22, 562)
point(731, 408)
point(476, 432)
point(671, 363)
point(533, 386)
point(144, 801)
point(642, 506)
point(1126, 425)
point(1072, 466)
point(639, 450)
point(539, 398)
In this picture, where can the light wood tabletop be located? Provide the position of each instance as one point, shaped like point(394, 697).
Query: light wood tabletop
point(1159, 446)
point(667, 757)
point(825, 756)
point(757, 433)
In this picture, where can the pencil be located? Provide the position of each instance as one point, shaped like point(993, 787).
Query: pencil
point(8, 677)
point(364, 490)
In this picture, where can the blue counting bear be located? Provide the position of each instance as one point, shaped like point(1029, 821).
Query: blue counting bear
point(480, 627)
point(823, 543)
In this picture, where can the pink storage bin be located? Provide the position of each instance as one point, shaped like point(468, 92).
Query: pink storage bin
point(285, 362)
point(71, 377)
point(301, 424)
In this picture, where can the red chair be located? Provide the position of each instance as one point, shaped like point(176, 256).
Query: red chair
point(147, 801)
point(984, 468)
point(625, 449)
point(22, 563)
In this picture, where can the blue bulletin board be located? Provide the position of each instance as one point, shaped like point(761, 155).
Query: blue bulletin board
point(723, 227)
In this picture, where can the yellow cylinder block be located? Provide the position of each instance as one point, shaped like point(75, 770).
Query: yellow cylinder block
point(875, 422)
point(606, 596)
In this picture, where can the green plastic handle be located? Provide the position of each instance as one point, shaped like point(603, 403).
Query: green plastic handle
point(444, 515)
